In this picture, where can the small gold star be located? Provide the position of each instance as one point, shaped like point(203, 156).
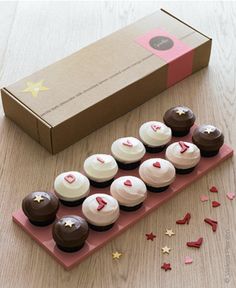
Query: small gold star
point(169, 232)
point(69, 223)
point(35, 87)
point(209, 129)
point(38, 198)
point(180, 111)
point(116, 255)
point(165, 250)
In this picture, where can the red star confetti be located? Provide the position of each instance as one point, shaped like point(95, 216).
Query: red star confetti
point(150, 236)
point(213, 189)
point(195, 244)
point(204, 198)
point(188, 260)
point(185, 219)
point(230, 195)
point(166, 266)
point(211, 222)
point(215, 204)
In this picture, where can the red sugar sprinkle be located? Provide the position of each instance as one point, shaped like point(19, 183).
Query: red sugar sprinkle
point(195, 244)
point(215, 204)
point(150, 236)
point(157, 164)
point(213, 189)
point(166, 266)
point(211, 222)
point(185, 220)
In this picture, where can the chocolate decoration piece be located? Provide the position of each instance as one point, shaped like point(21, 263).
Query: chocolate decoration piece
point(70, 233)
point(40, 207)
point(208, 139)
point(180, 119)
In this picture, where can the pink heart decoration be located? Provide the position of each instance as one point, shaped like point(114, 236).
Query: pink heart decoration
point(188, 260)
point(155, 127)
point(157, 164)
point(230, 195)
point(70, 178)
point(204, 198)
point(128, 183)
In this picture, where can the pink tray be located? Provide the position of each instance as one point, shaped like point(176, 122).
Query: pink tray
point(96, 240)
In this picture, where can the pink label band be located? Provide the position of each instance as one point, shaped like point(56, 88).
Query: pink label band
point(173, 51)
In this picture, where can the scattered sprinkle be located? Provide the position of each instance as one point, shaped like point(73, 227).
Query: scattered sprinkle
point(196, 244)
point(204, 198)
point(230, 195)
point(185, 219)
point(211, 222)
point(116, 255)
point(215, 204)
point(150, 236)
point(166, 266)
point(165, 250)
point(188, 260)
point(169, 232)
point(213, 189)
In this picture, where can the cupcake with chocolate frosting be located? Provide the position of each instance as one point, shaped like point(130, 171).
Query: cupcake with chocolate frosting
point(157, 173)
point(101, 211)
point(100, 169)
point(128, 152)
point(209, 139)
point(180, 119)
point(70, 233)
point(184, 156)
point(40, 207)
point(129, 191)
point(155, 135)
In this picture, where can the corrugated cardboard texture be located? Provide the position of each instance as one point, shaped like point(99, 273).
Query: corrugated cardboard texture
point(108, 78)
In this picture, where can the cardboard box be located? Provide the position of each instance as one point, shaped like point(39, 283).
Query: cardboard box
point(68, 100)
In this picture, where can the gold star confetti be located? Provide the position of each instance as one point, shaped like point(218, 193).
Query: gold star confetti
point(165, 250)
point(69, 223)
point(116, 255)
point(169, 232)
point(180, 111)
point(35, 87)
point(38, 198)
point(209, 130)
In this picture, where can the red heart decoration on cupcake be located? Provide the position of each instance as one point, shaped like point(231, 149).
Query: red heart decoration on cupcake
point(155, 127)
point(157, 164)
point(128, 183)
point(127, 143)
point(70, 178)
point(183, 146)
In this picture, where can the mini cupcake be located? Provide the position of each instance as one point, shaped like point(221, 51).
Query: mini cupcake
point(40, 208)
point(70, 233)
point(128, 152)
point(71, 188)
point(100, 169)
point(184, 156)
point(155, 135)
point(101, 211)
point(157, 173)
point(129, 191)
point(208, 139)
point(180, 119)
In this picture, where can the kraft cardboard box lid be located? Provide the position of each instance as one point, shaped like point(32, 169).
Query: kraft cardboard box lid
point(64, 89)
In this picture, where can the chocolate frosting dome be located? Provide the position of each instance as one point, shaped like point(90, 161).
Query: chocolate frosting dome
point(179, 118)
point(208, 138)
point(40, 206)
point(70, 231)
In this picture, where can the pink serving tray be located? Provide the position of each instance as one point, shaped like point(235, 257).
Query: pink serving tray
point(96, 240)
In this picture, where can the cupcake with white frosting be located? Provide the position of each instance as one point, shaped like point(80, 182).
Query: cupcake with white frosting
point(100, 169)
point(71, 188)
point(184, 156)
point(101, 211)
point(129, 191)
point(155, 135)
point(128, 152)
point(157, 173)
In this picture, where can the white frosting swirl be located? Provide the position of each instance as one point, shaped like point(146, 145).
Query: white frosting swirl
point(74, 188)
point(155, 134)
point(157, 176)
point(188, 159)
point(128, 149)
point(128, 195)
point(106, 216)
point(100, 167)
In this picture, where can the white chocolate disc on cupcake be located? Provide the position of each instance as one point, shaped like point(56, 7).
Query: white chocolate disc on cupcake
point(183, 155)
point(157, 172)
point(100, 209)
point(128, 150)
point(71, 186)
point(100, 167)
point(129, 191)
point(155, 134)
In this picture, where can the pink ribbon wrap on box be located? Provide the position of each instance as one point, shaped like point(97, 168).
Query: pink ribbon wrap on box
point(177, 54)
